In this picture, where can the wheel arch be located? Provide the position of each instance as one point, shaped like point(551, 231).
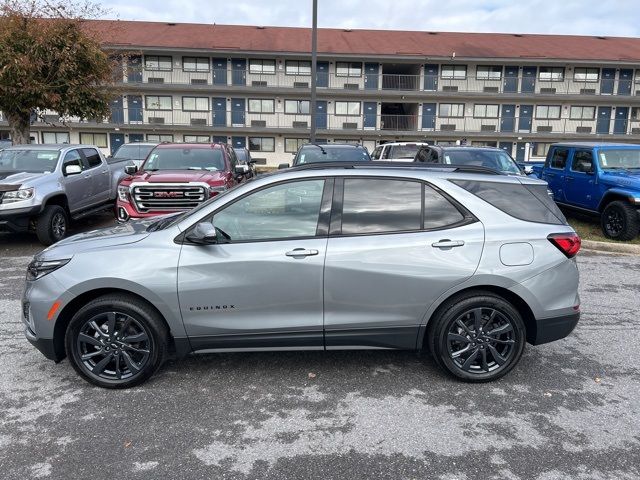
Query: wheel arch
point(612, 196)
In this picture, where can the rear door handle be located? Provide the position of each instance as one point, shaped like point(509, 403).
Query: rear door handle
point(568, 179)
point(301, 252)
point(448, 244)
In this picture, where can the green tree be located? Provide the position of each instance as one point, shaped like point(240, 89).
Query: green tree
point(48, 61)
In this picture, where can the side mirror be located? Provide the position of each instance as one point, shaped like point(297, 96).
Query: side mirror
point(283, 165)
point(204, 233)
point(241, 169)
point(72, 169)
point(130, 169)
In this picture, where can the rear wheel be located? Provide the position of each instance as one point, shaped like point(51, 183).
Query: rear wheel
point(478, 337)
point(619, 221)
point(52, 224)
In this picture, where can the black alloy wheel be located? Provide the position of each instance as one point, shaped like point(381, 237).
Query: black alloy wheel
point(620, 221)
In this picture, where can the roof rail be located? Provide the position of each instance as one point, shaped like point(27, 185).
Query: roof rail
point(438, 167)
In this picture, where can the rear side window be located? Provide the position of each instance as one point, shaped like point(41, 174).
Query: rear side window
point(93, 157)
point(559, 158)
point(525, 202)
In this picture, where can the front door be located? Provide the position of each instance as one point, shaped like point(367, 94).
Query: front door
point(604, 120)
point(624, 82)
point(428, 116)
point(219, 66)
point(431, 77)
point(272, 244)
point(239, 71)
point(521, 151)
point(621, 120)
point(78, 187)
point(134, 108)
point(383, 270)
point(238, 142)
point(510, 79)
point(371, 76)
point(134, 69)
point(321, 114)
point(117, 113)
point(219, 107)
point(580, 184)
point(608, 81)
point(528, 84)
point(507, 147)
point(237, 112)
point(526, 114)
point(136, 137)
point(322, 74)
point(115, 140)
point(508, 118)
point(370, 115)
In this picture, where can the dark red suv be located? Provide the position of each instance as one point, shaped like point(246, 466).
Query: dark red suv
point(177, 177)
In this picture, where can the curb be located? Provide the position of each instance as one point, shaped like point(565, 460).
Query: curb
point(611, 247)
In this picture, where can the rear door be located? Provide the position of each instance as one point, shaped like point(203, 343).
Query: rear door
point(580, 179)
point(554, 171)
point(388, 259)
point(78, 186)
point(100, 176)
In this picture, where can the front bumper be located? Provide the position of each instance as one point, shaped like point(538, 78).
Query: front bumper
point(45, 345)
point(17, 219)
point(553, 328)
point(125, 211)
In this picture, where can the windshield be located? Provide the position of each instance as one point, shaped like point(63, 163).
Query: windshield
point(332, 154)
point(28, 160)
point(185, 159)
point(403, 151)
point(133, 152)
point(622, 159)
point(494, 159)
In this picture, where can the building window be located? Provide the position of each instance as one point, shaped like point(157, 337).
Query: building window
point(485, 111)
point(196, 139)
point(637, 76)
point(586, 74)
point(261, 105)
point(291, 145)
point(582, 113)
point(156, 138)
point(457, 72)
point(297, 67)
point(55, 137)
point(551, 74)
point(348, 69)
point(548, 112)
point(296, 106)
point(97, 139)
point(487, 72)
point(541, 149)
point(262, 66)
point(262, 144)
point(156, 102)
point(195, 104)
point(347, 108)
point(635, 113)
point(452, 110)
point(195, 64)
point(157, 63)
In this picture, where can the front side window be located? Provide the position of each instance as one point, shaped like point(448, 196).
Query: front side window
point(582, 161)
point(347, 108)
point(452, 110)
point(262, 66)
point(261, 144)
point(348, 69)
point(551, 74)
point(195, 104)
point(487, 72)
point(195, 64)
point(291, 145)
point(73, 157)
point(97, 139)
point(376, 153)
point(296, 106)
point(157, 63)
point(156, 102)
point(457, 72)
point(559, 158)
point(298, 67)
point(548, 112)
point(582, 113)
point(289, 210)
point(485, 111)
point(261, 105)
point(586, 74)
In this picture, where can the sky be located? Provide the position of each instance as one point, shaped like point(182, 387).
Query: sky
point(579, 17)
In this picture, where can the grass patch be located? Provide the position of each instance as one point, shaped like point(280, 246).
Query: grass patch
point(589, 228)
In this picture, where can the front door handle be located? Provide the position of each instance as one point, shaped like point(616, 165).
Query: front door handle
point(301, 252)
point(448, 244)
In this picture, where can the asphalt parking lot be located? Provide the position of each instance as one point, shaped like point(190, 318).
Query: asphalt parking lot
point(571, 409)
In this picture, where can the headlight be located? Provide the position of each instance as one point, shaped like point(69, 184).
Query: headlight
point(18, 195)
point(39, 268)
point(214, 190)
point(123, 193)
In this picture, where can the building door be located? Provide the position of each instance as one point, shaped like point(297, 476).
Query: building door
point(604, 120)
point(624, 82)
point(134, 69)
point(237, 112)
point(136, 137)
point(507, 147)
point(134, 109)
point(321, 114)
point(219, 139)
point(219, 66)
point(238, 142)
point(621, 120)
point(521, 150)
point(528, 84)
point(239, 71)
point(117, 112)
point(508, 118)
point(608, 81)
point(219, 106)
point(115, 140)
point(370, 115)
point(431, 77)
point(371, 76)
point(428, 116)
point(526, 114)
point(510, 79)
point(322, 74)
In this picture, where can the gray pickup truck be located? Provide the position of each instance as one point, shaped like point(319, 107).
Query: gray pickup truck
point(42, 187)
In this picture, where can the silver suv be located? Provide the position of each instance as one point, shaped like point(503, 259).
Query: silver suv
point(466, 263)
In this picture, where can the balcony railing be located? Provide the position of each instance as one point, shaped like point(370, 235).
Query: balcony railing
point(515, 85)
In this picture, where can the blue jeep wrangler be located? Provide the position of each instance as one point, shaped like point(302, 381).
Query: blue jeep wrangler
point(597, 178)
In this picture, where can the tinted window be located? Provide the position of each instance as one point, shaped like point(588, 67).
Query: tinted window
point(241, 155)
point(493, 159)
point(582, 161)
point(289, 210)
point(403, 151)
point(559, 158)
point(427, 155)
point(185, 159)
point(73, 158)
point(530, 203)
point(314, 154)
point(376, 153)
point(93, 157)
point(438, 211)
point(375, 206)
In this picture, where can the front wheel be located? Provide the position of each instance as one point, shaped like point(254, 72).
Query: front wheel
point(619, 221)
point(52, 224)
point(116, 341)
point(478, 337)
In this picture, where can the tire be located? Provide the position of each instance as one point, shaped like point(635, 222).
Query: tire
point(451, 341)
point(619, 221)
point(52, 224)
point(99, 352)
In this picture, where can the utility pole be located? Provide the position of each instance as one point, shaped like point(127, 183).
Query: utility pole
point(314, 61)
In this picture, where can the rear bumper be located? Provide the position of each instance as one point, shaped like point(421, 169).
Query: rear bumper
point(553, 328)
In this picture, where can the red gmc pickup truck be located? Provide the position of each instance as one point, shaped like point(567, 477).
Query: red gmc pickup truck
point(177, 177)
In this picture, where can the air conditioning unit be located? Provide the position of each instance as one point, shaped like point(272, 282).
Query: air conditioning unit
point(155, 80)
point(349, 125)
point(259, 83)
point(351, 86)
point(635, 131)
point(450, 88)
point(300, 125)
point(491, 90)
point(258, 123)
point(583, 129)
point(545, 129)
point(300, 84)
point(487, 128)
point(198, 121)
point(448, 126)
point(548, 90)
point(587, 91)
point(198, 81)
point(156, 120)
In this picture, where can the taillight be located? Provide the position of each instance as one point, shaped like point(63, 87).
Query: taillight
point(567, 243)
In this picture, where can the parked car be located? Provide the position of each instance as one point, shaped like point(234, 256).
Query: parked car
point(468, 265)
point(135, 152)
point(397, 151)
point(176, 177)
point(601, 179)
point(43, 186)
point(244, 158)
point(489, 157)
point(333, 152)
